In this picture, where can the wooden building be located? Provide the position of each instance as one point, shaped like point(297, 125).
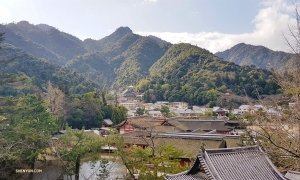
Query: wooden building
point(240, 163)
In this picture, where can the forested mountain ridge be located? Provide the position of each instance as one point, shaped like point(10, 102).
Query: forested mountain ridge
point(124, 58)
point(108, 41)
point(38, 72)
point(60, 43)
point(260, 56)
point(33, 48)
point(126, 61)
point(192, 74)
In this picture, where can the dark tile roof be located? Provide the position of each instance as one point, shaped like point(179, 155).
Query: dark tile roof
point(245, 163)
point(186, 176)
point(218, 137)
point(107, 121)
point(292, 175)
point(194, 124)
point(241, 163)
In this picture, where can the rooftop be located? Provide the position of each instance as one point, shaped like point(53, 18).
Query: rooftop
point(244, 163)
point(292, 175)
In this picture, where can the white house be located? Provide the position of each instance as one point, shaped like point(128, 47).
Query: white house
point(129, 105)
point(179, 104)
point(155, 114)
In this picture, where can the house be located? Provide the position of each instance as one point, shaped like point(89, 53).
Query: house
point(273, 112)
point(148, 106)
point(137, 123)
point(244, 163)
point(129, 105)
point(132, 113)
point(243, 109)
point(155, 114)
point(258, 107)
point(107, 123)
point(179, 104)
point(158, 104)
point(188, 113)
point(128, 94)
point(220, 111)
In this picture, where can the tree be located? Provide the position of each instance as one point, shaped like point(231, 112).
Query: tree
point(143, 85)
point(152, 162)
point(56, 102)
point(119, 114)
point(75, 145)
point(26, 135)
point(165, 111)
point(279, 135)
point(5, 78)
point(140, 111)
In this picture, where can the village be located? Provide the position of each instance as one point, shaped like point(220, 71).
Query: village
point(214, 146)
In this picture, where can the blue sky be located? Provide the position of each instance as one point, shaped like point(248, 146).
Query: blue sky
point(215, 25)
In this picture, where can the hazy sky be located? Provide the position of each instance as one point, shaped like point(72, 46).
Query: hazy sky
point(215, 25)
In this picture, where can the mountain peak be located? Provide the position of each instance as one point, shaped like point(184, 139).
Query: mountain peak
point(123, 30)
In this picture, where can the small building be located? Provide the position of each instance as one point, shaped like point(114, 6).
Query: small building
point(128, 94)
point(148, 106)
point(137, 123)
point(132, 113)
point(155, 114)
point(129, 105)
point(244, 109)
point(179, 104)
point(220, 111)
point(107, 123)
point(188, 113)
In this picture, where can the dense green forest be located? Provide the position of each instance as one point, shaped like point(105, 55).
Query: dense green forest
point(37, 72)
point(160, 70)
point(194, 75)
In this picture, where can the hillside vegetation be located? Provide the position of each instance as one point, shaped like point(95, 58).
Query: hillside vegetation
point(192, 74)
point(162, 71)
point(260, 56)
point(38, 72)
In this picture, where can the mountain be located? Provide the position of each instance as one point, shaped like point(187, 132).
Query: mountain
point(60, 43)
point(260, 56)
point(158, 40)
point(106, 42)
point(122, 58)
point(40, 71)
point(31, 47)
point(192, 74)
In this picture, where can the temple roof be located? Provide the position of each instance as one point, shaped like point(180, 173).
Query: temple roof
point(194, 124)
point(185, 176)
point(240, 163)
point(246, 163)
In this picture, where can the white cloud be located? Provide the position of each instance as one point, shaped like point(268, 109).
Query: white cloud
point(271, 23)
point(150, 0)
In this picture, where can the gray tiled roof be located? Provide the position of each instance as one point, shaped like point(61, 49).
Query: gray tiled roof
point(292, 175)
point(108, 121)
point(205, 125)
point(244, 163)
point(186, 176)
